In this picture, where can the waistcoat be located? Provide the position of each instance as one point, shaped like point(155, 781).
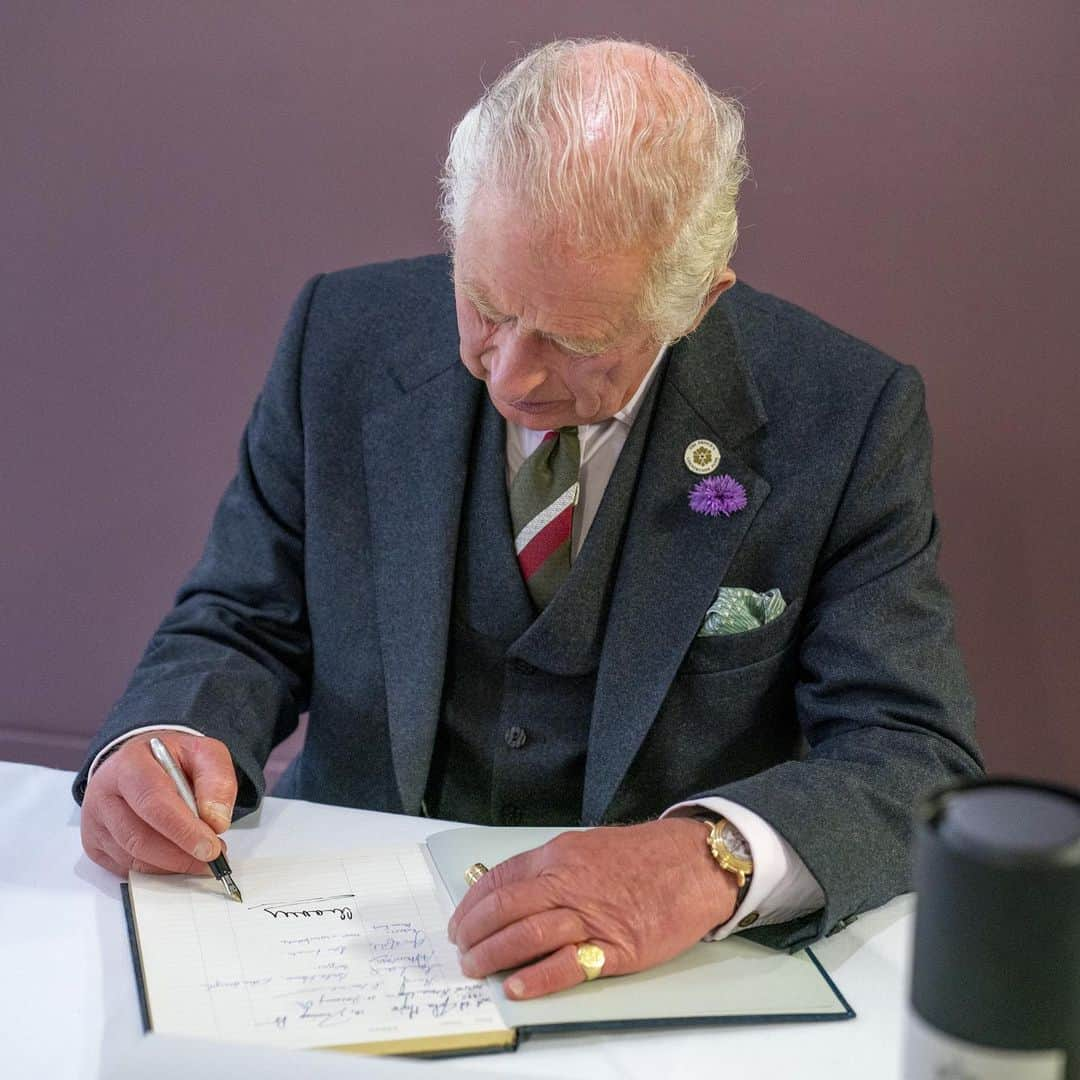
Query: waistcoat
point(517, 698)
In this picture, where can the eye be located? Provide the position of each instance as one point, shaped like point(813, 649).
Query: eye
point(491, 320)
point(577, 354)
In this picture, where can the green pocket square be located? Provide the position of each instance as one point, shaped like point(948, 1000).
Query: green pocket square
point(735, 611)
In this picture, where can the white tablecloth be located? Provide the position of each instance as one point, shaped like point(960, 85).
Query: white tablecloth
point(69, 1007)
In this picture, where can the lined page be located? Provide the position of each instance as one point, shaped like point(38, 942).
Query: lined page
point(333, 951)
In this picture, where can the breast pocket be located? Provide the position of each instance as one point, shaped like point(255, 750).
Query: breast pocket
point(724, 652)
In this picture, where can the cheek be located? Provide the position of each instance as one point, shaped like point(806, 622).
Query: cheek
point(596, 377)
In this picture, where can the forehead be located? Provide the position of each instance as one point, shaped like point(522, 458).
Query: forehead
point(504, 266)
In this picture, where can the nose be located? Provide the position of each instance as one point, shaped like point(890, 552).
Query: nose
point(515, 366)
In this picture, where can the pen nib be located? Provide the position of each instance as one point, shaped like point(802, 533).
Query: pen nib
point(231, 889)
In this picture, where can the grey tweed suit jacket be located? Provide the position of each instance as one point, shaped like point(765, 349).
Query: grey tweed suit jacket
point(325, 584)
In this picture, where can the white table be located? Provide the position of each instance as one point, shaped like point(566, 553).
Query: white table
point(69, 1007)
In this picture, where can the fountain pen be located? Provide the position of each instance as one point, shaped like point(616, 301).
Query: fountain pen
point(220, 866)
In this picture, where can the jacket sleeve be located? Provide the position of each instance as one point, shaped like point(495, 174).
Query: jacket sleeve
point(882, 696)
point(232, 658)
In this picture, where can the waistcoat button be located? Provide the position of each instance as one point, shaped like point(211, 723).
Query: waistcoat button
point(515, 737)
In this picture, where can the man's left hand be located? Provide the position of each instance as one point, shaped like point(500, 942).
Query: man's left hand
point(643, 893)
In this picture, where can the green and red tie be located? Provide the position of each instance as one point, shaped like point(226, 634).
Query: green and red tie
point(542, 500)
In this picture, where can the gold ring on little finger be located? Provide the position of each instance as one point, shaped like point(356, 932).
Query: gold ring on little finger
point(475, 873)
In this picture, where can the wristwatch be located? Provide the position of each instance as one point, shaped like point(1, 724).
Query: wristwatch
point(730, 849)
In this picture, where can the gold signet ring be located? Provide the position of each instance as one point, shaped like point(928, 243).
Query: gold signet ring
point(590, 959)
point(475, 873)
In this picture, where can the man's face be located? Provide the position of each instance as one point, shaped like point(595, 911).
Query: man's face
point(555, 338)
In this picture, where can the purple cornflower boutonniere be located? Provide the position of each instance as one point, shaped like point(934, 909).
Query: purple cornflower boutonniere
point(717, 495)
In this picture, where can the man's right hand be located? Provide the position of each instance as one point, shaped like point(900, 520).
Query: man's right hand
point(134, 819)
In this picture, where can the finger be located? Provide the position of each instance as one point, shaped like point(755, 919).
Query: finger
point(198, 869)
point(104, 860)
point(115, 853)
point(95, 830)
point(502, 907)
point(516, 868)
point(209, 766)
point(522, 941)
point(150, 793)
point(560, 971)
point(127, 863)
point(142, 844)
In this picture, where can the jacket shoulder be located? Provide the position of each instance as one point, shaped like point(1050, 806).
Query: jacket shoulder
point(820, 387)
point(785, 344)
point(389, 297)
point(407, 277)
point(387, 320)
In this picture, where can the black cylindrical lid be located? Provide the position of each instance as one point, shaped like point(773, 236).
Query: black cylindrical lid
point(1009, 821)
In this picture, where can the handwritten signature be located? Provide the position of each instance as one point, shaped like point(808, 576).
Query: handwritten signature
point(342, 913)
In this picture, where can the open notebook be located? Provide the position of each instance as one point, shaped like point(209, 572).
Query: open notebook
point(350, 952)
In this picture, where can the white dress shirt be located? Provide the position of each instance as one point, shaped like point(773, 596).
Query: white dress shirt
point(781, 887)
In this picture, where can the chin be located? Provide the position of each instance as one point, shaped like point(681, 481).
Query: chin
point(537, 423)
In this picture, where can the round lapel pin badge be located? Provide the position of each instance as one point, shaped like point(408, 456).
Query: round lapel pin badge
point(702, 457)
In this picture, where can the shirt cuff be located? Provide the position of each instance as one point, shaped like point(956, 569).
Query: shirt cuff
point(781, 887)
point(108, 748)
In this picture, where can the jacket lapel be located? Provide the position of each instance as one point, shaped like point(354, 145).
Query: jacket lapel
point(673, 559)
point(416, 458)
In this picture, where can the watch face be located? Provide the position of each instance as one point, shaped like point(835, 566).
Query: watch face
point(734, 842)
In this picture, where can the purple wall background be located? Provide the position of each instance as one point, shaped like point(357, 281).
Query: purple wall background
point(170, 174)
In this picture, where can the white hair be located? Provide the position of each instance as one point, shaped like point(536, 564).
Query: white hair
point(610, 156)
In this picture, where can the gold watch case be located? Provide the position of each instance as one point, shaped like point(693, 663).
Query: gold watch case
point(730, 850)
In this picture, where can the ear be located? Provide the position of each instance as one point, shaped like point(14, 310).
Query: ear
point(724, 280)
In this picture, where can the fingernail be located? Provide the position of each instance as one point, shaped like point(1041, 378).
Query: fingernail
point(222, 812)
point(203, 850)
point(514, 988)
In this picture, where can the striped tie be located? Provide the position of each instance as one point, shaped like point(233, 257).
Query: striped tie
point(542, 500)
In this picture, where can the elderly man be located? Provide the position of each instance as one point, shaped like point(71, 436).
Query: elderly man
point(674, 573)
